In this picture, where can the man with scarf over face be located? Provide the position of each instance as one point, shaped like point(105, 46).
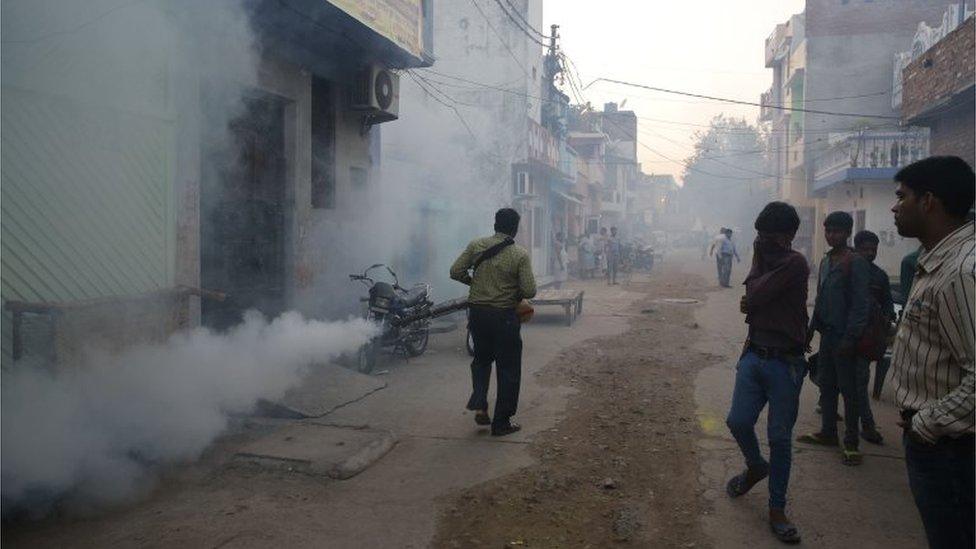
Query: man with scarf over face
point(771, 368)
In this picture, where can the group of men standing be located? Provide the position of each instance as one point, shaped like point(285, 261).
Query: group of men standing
point(932, 356)
point(932, 360)
point(600, 253)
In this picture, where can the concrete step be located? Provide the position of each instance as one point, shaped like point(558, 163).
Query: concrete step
point(337, 452)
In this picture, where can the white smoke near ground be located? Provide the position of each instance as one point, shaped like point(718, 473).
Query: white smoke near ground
point(96, 434)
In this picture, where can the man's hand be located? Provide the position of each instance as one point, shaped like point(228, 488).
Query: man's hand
point(912, 434)
point(743, 305)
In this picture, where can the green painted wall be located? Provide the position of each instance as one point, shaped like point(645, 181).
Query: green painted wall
point(86, 206)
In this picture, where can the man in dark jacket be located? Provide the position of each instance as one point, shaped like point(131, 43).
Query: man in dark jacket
point(771, 369)
point(882, 310)
point(840, 314)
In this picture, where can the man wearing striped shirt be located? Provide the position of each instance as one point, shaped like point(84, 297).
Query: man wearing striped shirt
point(932, 363)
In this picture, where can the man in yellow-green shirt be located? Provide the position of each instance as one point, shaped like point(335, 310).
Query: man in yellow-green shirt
point(499, 273)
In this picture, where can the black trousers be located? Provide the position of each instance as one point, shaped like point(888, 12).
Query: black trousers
point(496, 337)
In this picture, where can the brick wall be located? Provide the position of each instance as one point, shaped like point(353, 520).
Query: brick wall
point(941, 72)
point(954, 134)
point(852, 17)
point(938, 92)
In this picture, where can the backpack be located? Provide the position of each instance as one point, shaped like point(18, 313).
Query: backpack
point(874, 339)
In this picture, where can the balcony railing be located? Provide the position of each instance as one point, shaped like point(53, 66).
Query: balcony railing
point(869, 155)
point(766, 99)
point(777, 45)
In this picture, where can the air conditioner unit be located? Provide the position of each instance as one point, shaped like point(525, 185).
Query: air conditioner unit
point(377, 93)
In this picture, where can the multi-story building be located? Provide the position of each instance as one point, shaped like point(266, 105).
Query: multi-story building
point(840, 151)
point(183, 145)
point(934, 83)
point(620, 161)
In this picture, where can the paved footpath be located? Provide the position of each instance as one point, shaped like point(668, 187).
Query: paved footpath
point(394, 502)
point(833, 505)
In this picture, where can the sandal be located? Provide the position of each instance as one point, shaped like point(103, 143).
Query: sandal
point(481, 417)
point(785, 532)
point(819, 439)
point(852, 457)
point(739, 485)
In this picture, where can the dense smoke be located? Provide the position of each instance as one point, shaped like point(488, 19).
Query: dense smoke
point(95, 433)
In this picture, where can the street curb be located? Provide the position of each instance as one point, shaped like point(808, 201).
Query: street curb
point(361, 460)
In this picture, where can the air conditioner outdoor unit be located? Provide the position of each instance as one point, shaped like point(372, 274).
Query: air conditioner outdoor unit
point(377, 94)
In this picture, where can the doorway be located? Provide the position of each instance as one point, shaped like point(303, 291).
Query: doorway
point(242, 222)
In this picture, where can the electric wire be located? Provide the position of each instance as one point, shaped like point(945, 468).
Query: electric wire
point(517, 25)
point(524, 20)
point(736, 101)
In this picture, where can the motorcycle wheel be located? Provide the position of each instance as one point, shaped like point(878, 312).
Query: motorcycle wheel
point(366, 358)
point(417, 346)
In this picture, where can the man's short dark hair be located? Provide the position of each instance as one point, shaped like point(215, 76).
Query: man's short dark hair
point(839, 220)
point(865, 237)
point(948, 178)
point(507, 221)
point(778, 217)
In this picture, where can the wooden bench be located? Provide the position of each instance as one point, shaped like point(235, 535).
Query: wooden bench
point(570, 300)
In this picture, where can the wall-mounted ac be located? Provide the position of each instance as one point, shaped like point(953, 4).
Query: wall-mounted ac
point(377, 93)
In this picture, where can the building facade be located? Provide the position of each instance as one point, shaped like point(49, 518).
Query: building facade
point(178, 148)
point(935, 87)
point(840, 151)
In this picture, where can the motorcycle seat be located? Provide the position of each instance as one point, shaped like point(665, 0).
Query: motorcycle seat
point(415, 295)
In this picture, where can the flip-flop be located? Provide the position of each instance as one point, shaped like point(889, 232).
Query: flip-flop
point(739, 484)
point(481, 417)
point(818, 438)
point(852, 457)
point(785, 532)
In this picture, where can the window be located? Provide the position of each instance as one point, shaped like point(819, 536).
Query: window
point(538, 229)
point(524, 184)
point(323, 145)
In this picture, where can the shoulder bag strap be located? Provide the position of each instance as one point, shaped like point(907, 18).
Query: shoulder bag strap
point(491, 252)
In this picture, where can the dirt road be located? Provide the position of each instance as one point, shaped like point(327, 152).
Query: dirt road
point(620, 465)
point(624, 444)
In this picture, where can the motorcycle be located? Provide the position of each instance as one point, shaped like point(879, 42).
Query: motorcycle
point(403, 315)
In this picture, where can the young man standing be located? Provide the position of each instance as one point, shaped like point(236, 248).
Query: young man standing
point(840, 314)
point(502, 276)
point(882, 314)
point(932, 363)
point(771, 369)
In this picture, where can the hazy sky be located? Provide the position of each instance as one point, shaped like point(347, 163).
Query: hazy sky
point(713, 47)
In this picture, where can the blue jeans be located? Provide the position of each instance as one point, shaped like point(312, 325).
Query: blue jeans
point(941, 477)
point(723, 262)
point(778, 382)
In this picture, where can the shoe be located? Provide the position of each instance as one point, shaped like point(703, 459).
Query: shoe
point(851, 456)
point(505, 429)
point(872, 435)
point(481, 417)
point(819, 439)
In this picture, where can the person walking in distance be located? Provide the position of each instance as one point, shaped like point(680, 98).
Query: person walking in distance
point(499, 273)
point(880, 317)
point(724, 250)
point(771, 368)
point(613, 256)
point(932, 360)
point(840, 315)
point(560, 264)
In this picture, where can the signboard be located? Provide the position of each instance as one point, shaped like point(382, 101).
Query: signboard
point(400, 21)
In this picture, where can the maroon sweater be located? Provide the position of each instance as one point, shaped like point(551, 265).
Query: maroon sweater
point(776, 297)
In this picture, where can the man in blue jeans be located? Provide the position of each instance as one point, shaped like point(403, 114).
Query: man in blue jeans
point(771, 368)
